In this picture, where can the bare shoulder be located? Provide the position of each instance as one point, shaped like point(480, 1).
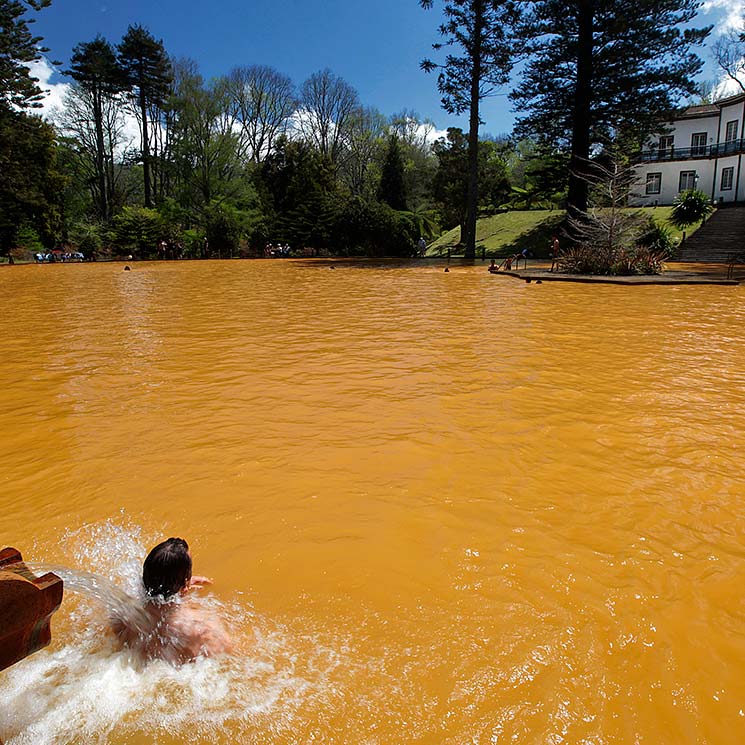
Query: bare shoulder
point(175, 632)
point(200, 631)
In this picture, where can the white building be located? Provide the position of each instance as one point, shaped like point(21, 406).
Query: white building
point(703, 149)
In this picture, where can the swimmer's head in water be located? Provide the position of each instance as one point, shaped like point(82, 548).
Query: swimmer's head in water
point(167, 568)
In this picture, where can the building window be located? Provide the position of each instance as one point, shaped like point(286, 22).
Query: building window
point(654, 183)
point(727, 176)
point(698, 144)
point(665, 146)
point(731, 132)
point(687, 180)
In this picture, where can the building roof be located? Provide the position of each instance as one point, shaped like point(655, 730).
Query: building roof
point(694, 112)
point(707, 109)
point(729, 100)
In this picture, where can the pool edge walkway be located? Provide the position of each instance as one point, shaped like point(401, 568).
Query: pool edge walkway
point(669, 278)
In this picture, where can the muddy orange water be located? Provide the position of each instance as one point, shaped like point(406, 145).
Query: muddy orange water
point(438, 508)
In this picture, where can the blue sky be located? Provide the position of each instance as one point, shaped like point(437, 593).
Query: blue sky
point(375, 45)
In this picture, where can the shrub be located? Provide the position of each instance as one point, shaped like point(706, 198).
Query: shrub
point(690, 207)
point(374, 229)
point(86, 236)
point(137, 230)
point(28, 239)
point(193, 243)
point(658, 239)
point(223, 230)
point(584, 259)
point(649, 261)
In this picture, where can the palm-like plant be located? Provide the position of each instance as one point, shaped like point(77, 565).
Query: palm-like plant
point(690, 206)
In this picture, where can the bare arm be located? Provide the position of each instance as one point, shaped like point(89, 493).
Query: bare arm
point(199, 581)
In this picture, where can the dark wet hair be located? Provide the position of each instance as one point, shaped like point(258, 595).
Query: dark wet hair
point(167, 568)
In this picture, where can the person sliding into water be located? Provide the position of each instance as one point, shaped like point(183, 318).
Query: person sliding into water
point(175, 630)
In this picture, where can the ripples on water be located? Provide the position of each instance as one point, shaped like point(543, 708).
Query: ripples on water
point(438, 507)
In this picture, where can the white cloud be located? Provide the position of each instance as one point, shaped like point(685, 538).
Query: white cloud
point(130, 132)
point(300, 121)
point(431, 134)
point(730, 12)
point(43, 70)
point(725, 87)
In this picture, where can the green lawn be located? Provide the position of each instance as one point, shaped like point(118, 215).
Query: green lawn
point(661, 215)
point(509, 232)
point(500, 234)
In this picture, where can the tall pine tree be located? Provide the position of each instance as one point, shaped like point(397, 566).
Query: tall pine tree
point(147, 70)
point(392, 189)
point(18, 48)
point(601, 71)
point(31, 185)
point(94, 66)
point(481, 32)
point(30, 182)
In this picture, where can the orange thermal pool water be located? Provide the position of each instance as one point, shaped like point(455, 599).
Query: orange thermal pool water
point(438, 508)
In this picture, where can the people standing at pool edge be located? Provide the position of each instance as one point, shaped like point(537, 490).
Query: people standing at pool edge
point(554, 252)
point(178, 631)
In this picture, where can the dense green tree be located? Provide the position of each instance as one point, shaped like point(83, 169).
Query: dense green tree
point(300, 194)
point(31, 185)
point(538, 176)
point(450, 182)
point(94, 67)
point(392, 189)
point(137, 230)
point(88, 239)
point(494, 177)
point(481, 31)
point(225, 226)
point(359, 165)
point(147, 71)
point(30, 182)
point(206, 147)
point(18, 48)
point(415, 138)
point(372, 229)
point(602, 71)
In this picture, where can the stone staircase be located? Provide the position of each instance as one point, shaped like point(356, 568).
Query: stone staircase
point(719, 239)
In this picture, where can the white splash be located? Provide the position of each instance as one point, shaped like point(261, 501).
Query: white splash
point(89, 691)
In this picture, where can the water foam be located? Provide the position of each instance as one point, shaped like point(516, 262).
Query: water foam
point(87, 690)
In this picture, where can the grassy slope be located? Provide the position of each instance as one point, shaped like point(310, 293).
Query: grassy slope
point(509, 232)
point(499, 234)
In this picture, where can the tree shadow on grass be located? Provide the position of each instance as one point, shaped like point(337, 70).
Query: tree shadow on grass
point(537, 240)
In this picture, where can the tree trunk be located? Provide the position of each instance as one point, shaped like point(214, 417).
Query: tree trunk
point(103, 202)
point(145, 150)
point(110, 175)
point(468, 233)
point(581, 124)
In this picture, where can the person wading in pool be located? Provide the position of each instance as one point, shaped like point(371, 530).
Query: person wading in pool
point(178, 630)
